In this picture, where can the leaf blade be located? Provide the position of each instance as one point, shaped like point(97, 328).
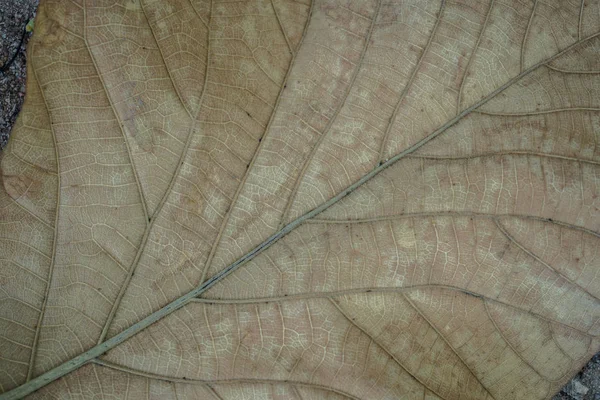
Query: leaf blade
point(577, 163)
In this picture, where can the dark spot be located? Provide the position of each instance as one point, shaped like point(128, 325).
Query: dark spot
point(369, 290)
point(248, 114)
point(149, 219)
point(260, 139)
point(471, 294)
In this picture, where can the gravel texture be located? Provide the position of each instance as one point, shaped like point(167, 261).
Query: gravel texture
point(585, 385)
point(14, 16)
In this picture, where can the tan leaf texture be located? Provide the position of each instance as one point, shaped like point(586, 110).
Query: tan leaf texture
point(296, 199)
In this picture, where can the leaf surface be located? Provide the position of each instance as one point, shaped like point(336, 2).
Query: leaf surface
point(279, 199)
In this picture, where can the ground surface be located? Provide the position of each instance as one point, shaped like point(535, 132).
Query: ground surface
point(14, 16)
point(585, 385)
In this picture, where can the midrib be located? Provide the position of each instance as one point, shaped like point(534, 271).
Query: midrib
point(181, 301)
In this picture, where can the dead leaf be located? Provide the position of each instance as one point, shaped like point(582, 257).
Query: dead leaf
point(279, 199)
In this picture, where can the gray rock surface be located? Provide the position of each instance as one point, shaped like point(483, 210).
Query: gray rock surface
point(14, 16)
point(584, 386)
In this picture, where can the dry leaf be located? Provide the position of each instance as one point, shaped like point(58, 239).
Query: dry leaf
point(277, 199)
